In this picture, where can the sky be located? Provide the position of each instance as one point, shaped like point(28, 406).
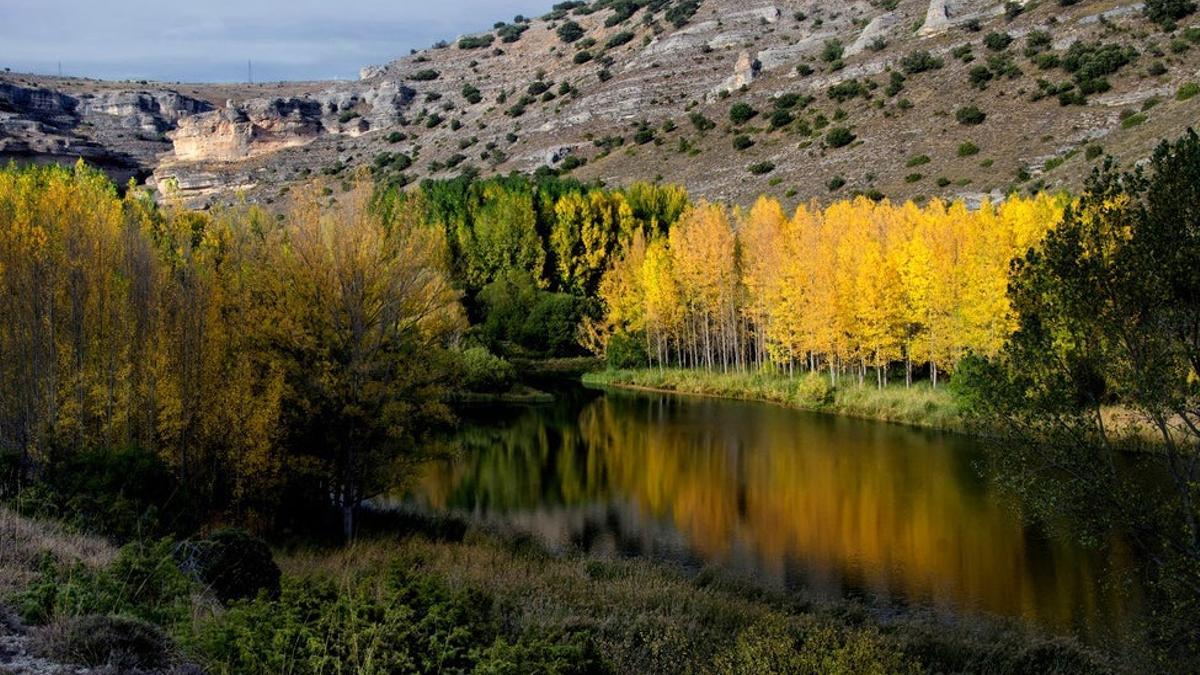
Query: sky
point(212, 40)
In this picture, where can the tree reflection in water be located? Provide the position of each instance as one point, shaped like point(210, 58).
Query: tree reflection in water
point(831, 505)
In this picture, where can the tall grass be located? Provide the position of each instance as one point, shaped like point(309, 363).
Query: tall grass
point(919, 405)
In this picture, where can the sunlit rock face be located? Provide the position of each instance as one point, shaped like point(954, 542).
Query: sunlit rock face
point(245, 130)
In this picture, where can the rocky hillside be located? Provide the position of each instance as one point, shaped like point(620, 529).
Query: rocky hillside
point(732, 98)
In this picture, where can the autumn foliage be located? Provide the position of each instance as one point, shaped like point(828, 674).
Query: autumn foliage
point(849, 287)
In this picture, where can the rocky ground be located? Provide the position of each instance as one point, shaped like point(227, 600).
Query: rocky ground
point(627, 98)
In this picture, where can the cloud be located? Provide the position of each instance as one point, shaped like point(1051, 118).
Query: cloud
point(213, 40)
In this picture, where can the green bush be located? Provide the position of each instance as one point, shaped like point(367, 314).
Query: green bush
point(839, 137)
point(967, 149)
point(619, 39)
point(761, 168)
point(970, 115)
point(388, 621)
point(477, 41)
point(919, 61)
point(483, 371)
point(626, 351)
point(1187, 91)
point(742, 142)
point(570, 32)
point(425, 75)
point(997, 42)
point(741, 113)
point(143, 582)
point(234, 565)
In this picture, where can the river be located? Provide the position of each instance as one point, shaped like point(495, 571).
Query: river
point(831, 507)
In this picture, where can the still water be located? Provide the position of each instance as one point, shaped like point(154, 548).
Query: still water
point(824, 505)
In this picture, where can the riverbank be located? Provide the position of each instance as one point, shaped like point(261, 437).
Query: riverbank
point(920, 405)
point(462, 599)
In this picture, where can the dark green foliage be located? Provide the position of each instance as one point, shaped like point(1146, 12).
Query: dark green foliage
point(121, 643)
point(425, 75)
point(836, 183)
point(582, 57)
point(896, 82)
point(844, 91)
point(390, 621)
point(122, 493)
point(143, 582)
point(477, 41)
point(1091, 62)
point(761, 168)
point(626, 351)
point(482, 371)
point(979, 76)
point(781, 118)
point(471, 94)
point(1107, 313)
point(741, 113)
point(643, 136)
point(348, 115)
point(967, 149)
point(700, 122)
point(839, 137)
point(970, 115)
point(1092, 152)
point(1167, 12)
point(742, 142)
point(234, 565)
point(832, 51)
point(998, 42)
point(619, 39)
point(681, 12)
point(511, 32)
point(570, 32)
point(396, 137)
point(919, 62)
point(520, 314)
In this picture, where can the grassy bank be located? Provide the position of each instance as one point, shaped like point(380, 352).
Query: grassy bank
point(474, 603)
point(920, 405)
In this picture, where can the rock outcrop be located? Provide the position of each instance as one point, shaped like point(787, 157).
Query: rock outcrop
point(243, 130)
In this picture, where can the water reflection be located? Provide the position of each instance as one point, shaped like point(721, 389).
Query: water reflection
point(831, 505)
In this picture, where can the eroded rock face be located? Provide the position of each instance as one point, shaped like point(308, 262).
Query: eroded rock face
point(149, 111)
point(248, 129)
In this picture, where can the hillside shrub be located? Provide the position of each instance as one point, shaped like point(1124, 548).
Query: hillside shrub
point(425, 75)
point(233, 564)
point(116, 643)
point(839, 137)
point(741, 113)
point(569, 32)
point(920, 61)
point(761, 168)
point(970, 115)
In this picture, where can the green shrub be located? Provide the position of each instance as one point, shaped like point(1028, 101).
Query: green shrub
point(742, 142)
point(844, 91)
point(477, 41)
point(1187, 91)
point(1167, 12)
point(836, 183)
point(918, 160)
point(839, 137)
point(920, 61)
point(425, 75)
point(233, 564)
point(741, 113)
point(970, 115)
point(761, 168)
point(1093, 151)
point(997, 42)
point(142, 582)
point(781, 118)
point(913, 177)
point(626, 351)
point(619, 39)
point(1133, 121)
point(700, 122)
point(570, 32)
point(122, 644)
point(582, 56)
point(471, 94)
point(396, 137)
point(832, 51)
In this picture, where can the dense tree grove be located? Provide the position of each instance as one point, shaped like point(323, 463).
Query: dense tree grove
point(855, 286)
point(247, 352)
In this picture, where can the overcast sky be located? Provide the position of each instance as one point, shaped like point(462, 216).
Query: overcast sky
point(211, 40)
